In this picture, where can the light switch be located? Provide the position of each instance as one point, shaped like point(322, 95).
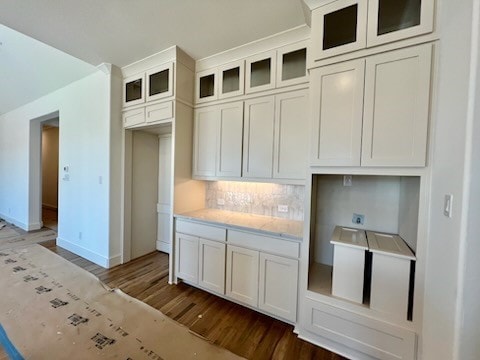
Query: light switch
point(447, 205)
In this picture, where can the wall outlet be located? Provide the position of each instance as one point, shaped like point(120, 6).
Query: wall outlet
point(283, 208)
point(347, 180)
point(221, 202)
point(358, 219)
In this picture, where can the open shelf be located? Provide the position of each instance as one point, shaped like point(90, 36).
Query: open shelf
point(389, 205)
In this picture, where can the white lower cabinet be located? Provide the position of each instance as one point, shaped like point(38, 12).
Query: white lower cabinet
point(254, 269)
point(278, 286)
point(211, 272)
point(242, 275)
point(186, 257)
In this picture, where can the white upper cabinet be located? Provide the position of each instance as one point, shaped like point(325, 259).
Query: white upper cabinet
point(134, 90)
point(344, 26)
point(218, 141)
point(231, 79)
point(260, 72)
point(229, 140)
point(337, 110)
point(396, 110)
point(339, 27)
point(291, 135)
point(159, 82)
point(392, 20)
point(292, 64)
point(373, 111)
point(206, 86)
point(258, 137)
point(205, 141)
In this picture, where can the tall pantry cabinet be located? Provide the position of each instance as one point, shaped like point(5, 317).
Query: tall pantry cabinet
point(371, 73)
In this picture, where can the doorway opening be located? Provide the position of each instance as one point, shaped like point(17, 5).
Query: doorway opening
point(148, 220)
point(43, 185)
point(50, 132)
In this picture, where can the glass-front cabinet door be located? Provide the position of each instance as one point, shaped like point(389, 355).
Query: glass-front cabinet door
point(292, 64)
point(260, 72)
point(206, 86)
point(392, 20)
point(339, 27)
point(232, 79)
point(134, 90)
point(160, 82)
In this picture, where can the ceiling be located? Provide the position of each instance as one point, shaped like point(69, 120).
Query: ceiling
point(121, 32)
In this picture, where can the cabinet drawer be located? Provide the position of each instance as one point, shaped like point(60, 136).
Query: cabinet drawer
point(201, 230)
point(133, 117)
point(372, 337)
point(159, 112)
point(265, 243)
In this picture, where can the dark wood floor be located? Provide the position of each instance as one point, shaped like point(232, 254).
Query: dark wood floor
point(234, 327)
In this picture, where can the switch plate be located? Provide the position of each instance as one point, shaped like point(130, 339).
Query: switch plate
point(221, 202)
point(447, 205)
point(283, 208)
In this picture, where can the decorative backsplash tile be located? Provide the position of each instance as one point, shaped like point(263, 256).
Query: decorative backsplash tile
point(256, 198)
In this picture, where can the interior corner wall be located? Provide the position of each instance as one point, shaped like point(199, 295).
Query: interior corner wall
point(84, 112)
point(469, 346)
point(443, 266)
point(50, 167)
point(116, 168)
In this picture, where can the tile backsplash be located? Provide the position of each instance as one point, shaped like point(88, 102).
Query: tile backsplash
point(256, 198)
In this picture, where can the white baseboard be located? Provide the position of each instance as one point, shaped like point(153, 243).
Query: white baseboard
point(15, 222)
point(87, 254)
point(163, 247)
point(114, 261)
point(35, 226)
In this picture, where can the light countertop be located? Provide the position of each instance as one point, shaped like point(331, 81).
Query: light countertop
point(274, 226)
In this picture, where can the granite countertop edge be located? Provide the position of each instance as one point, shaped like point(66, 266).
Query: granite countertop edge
point(236, 226)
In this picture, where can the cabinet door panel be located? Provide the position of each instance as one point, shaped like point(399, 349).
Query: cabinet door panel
point(212, 266)
point(258, 137)
point(399, 19)
point(159, 82)
point(291, 134)
point(133, 117)
point(186, 256)
point(205, 146)
point(337, 101)
point(230, 131)
point(278, 286)
point(339, 27)
point(260, 72)
point(396, 112)
point(242, 275)
point(206, 86)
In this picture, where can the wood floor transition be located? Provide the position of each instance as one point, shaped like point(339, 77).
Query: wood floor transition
point(236, 328)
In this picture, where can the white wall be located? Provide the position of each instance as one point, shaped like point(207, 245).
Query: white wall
point(443, 268)
point(84, 145)
point(468, 346)
point(50, 167)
